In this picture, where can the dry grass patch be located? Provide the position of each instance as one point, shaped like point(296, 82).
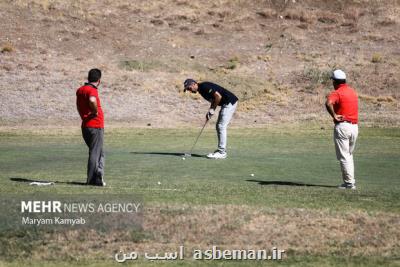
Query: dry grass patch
point(376, 58)
point(327, 17)
point(232, 63)
point(378, 99)
point(268, 95)
point(7, 48)
point(386, 22)
point(267, 13)
point(300, 231)
point(353, 13)
point(301, 15)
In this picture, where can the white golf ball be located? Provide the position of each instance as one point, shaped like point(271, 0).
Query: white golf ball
point(159, 182)
point(183, 158)
point(252, 174)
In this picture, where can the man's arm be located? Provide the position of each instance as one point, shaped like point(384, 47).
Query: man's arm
point(77, 106)
point(214, 104)
point(331, 110)
point(93, 106)
point(216, 100)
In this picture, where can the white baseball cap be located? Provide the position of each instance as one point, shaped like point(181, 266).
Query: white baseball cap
point(338, 75)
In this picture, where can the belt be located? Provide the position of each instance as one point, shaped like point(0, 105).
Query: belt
point(346, 121)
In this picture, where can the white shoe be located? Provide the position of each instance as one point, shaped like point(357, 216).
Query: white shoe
point(217, 155)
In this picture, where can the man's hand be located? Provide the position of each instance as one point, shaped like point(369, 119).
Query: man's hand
point(210, 113)
point(338, 118)
point(92, 115)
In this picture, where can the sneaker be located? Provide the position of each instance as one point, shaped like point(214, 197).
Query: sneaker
point(217, 155)
point(102, 182)
point(99, 182)
point(347, 186)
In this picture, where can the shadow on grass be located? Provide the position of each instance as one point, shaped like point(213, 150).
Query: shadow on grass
point(25, 180)
point(168, 154)
point(288, 183)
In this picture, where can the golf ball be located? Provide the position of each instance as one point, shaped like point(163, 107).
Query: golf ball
point(159, 182)
point(252, 174)
point(183, 158)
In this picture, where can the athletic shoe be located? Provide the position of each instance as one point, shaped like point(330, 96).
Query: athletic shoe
point(99, 182)
point(347, 186)
point(217, 155)
point(102, 182)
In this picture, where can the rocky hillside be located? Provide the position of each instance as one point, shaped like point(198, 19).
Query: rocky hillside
point(276, 55)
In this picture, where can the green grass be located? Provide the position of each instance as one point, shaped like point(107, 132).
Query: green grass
point(280, 159)
point(274, 157)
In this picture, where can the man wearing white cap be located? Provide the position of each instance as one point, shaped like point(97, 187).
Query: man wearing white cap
point(342, 105)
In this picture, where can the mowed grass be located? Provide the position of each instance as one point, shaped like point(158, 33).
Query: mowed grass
point(293, 167)
point(282, 160)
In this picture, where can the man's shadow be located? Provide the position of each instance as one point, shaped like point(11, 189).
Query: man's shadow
point(288, 183)
point(26, 180)
point(168, 154)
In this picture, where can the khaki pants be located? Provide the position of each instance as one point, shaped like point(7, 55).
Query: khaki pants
point(345, 136)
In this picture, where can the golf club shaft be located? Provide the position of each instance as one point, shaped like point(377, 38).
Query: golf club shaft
point(198, 136)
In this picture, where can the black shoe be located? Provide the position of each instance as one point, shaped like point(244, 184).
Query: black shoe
point(347, 186)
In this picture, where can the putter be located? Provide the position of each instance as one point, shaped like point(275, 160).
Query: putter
point(197, 139)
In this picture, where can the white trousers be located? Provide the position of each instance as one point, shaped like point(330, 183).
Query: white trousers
point(345, 136)
point(224, 117)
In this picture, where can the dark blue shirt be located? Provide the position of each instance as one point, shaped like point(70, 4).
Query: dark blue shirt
point(207, 90)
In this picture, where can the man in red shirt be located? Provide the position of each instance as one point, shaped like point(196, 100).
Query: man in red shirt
point(89, 108)
point(342, 105)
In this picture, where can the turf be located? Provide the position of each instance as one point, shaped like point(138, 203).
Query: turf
point(293, 168)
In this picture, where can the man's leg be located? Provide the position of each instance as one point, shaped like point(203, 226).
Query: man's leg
point(94, 140)
point(101, 160)
point(87, 137)
point(224, 118)
point(353, 137)
point(342, 135)
point(352, 144)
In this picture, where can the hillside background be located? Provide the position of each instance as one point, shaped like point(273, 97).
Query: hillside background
point(275, 55)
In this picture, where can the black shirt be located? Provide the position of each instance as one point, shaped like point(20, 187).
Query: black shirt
point(207, 90)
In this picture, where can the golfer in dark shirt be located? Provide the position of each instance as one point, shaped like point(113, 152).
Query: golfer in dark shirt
point(217, 96)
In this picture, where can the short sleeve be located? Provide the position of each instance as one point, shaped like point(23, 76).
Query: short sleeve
point(210, 91)
point(333, 97)
point(92, 92)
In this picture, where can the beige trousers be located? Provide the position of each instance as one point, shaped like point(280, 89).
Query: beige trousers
point(345, 136)
point(224, 118)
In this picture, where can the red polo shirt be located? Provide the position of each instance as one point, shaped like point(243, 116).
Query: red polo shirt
point(82, 101)
point(345, 102)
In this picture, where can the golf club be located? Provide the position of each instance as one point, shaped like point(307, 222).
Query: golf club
point(195, 142)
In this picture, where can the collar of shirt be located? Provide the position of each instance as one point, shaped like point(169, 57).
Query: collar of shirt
point(92, 85)
point(343, 85)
